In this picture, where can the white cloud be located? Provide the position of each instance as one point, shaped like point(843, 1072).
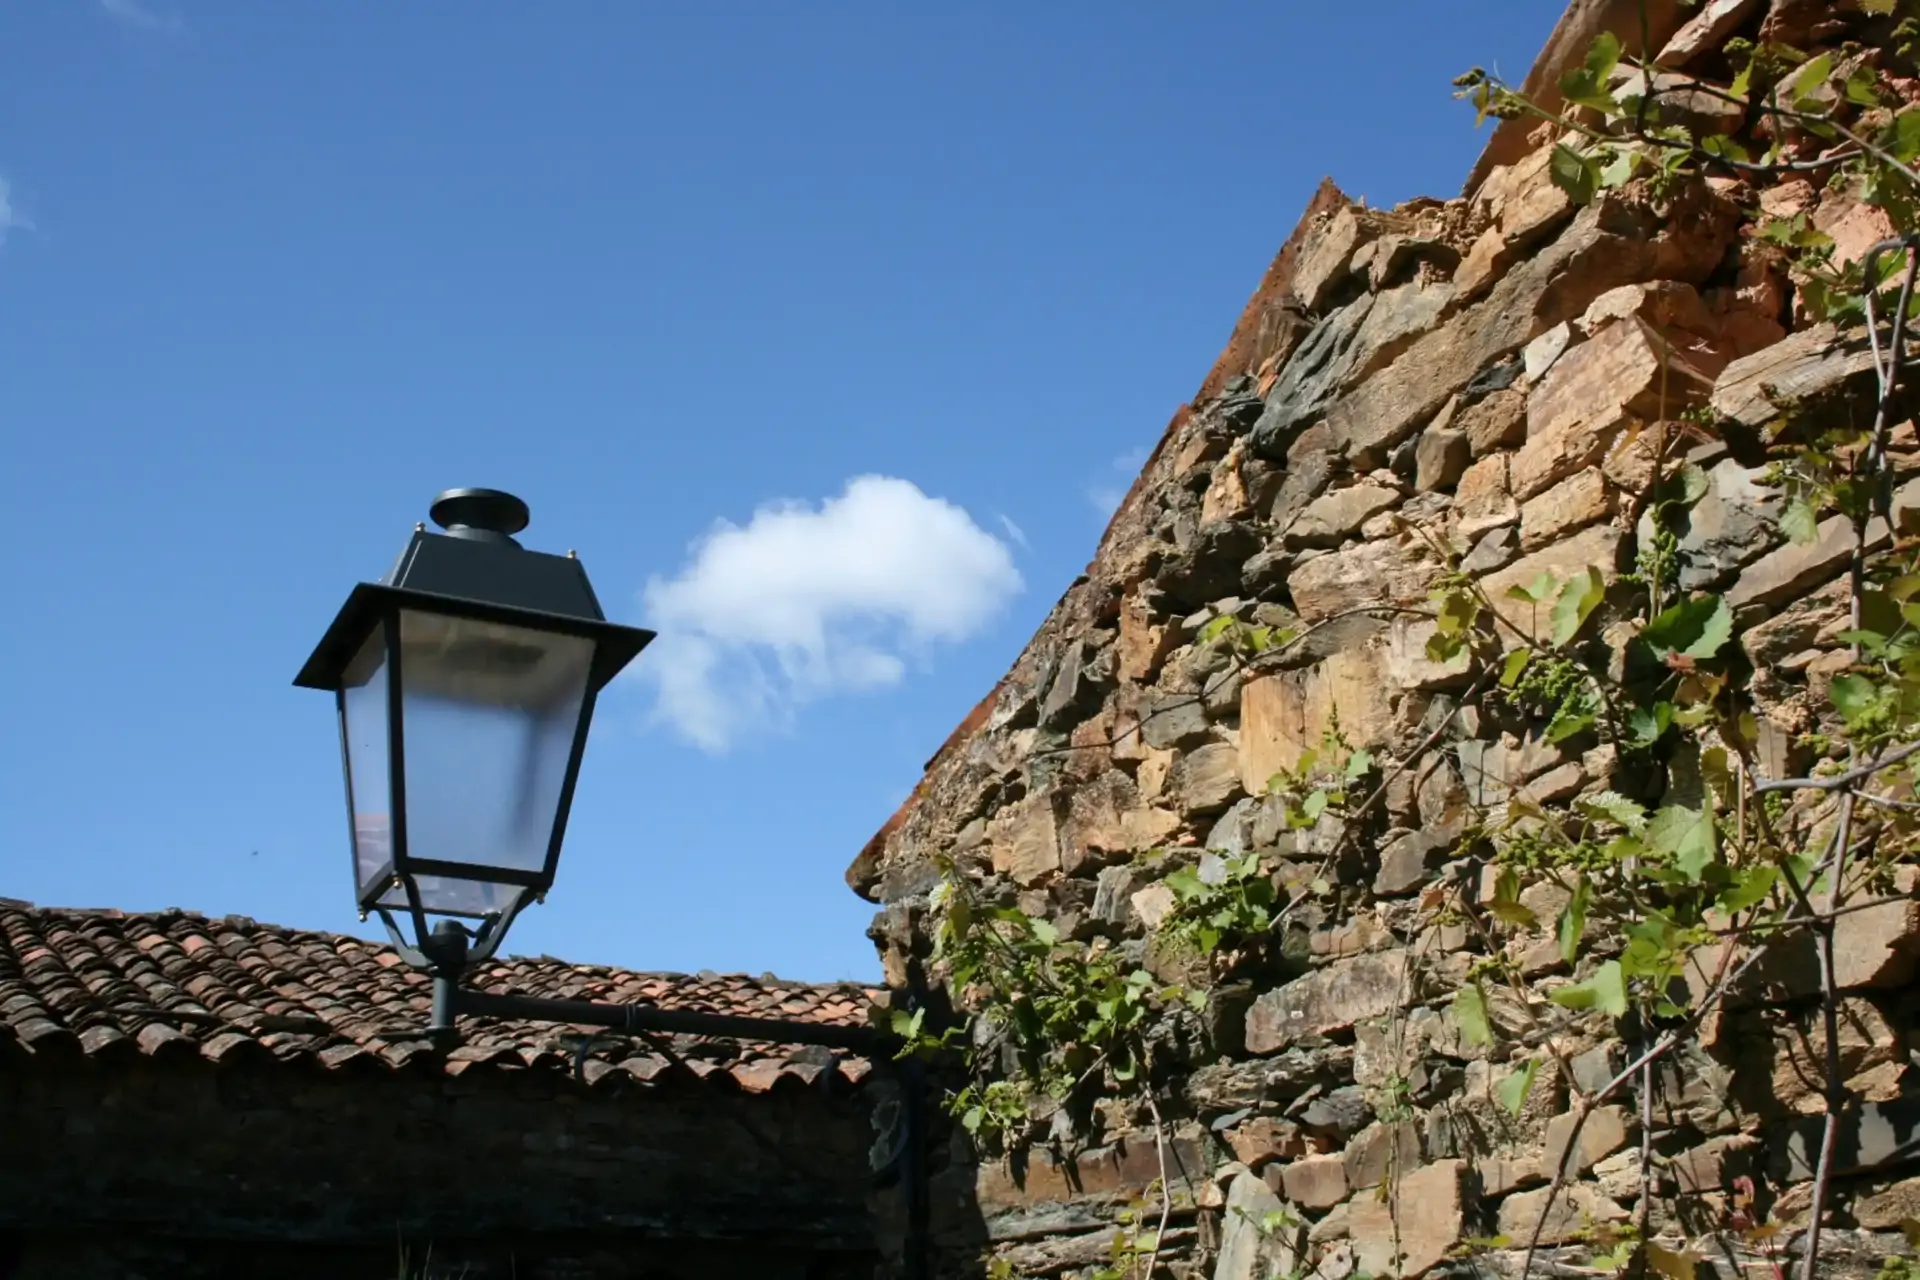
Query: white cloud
point(11, 219)
point(1110, 490)
point(804, 602)
point(134, 14)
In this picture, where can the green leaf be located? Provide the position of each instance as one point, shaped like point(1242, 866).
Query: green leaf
point(1186, 884)
point(1903, 136)
point(1800, 522)
point(1358, 763)
point(1515, 664)
point(1514, 1089)
point(1536, 591)
point(1573, 921)
point(1574, 174)
point(1853, 697)
point(1647, 724)
point(1811, 77)
point(1616, 808)
point(1577, 601)
point(1314, 805)
point(1568, 721)
point(1045, 931)
point(1748, 889)
point(1606, 991)
point(1687, 835)
point(1726, 148)
point(1587, 84)
point(1470, 1012)
point(1215, 629)
point(1619, 171)
point(1697, 628)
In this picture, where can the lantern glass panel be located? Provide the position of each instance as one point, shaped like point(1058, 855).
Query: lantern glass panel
point(452, 896)
point(363, 714)
point(490, 712)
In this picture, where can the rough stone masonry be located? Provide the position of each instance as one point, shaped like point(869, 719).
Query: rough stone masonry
point(1483, 371)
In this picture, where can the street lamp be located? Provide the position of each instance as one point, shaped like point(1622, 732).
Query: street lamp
point(465, 681)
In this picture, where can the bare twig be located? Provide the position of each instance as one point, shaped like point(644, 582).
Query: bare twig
point(1840, 781)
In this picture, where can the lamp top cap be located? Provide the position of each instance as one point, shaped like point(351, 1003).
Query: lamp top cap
point(487, 514)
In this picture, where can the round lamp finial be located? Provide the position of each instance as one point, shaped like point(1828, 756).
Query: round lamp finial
point(484, 514)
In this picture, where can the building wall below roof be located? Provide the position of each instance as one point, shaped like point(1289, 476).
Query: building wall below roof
point(263, 1158)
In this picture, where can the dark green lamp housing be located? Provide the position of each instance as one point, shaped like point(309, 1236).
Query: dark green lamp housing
point(465, 681)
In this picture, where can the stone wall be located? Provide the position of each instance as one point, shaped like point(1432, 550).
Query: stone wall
point(137, 1167)
point(1488, 375)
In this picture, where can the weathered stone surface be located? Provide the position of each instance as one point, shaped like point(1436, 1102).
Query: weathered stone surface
point(1795, 568)
point(1316, 1182)
point(1445, 808)
point(1578, 501)
point(1173, 720)
point(1326, 255)
point(1707, 29)
point(1605, 1132)
point(1206, 779)
point(1605, 246)
point(1287, 713)
point(1575, 1209)
point(1736, 520)
point(1890, 1207)
point(1495, 550)
point(1379, 1150)
point(1440, 458)
point(1405, 863)
point(1025, 841)
point(1872, 1135)
point(1496, 421)
point(1595, 547)
point(1485, 499)
point(1415, 1229)
point(1809, 366)
point(1328, 1000)
point(1540, 354)
point(1260, 1140)
point(1144, 641)
point(1247, 1250)
point(1333, 517)
point(1153, 904)
point(1624, 366)
point(1877, 947)
point(1393, 571)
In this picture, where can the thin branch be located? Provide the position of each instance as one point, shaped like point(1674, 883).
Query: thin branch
point(1840, 781)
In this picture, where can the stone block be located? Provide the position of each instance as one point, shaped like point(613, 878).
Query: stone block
point(1577, 1208)
point(1334, 517)
point(1580, 500)
point(1024, 841)
point(1624, 369)
point(1606, 1131)
point(1287, 713)
point(1248, 1250)
point(1327, 1000)
point(1316, 1182)
point(1796, 568)
point(1390, 571)
point(1415, 1229)
point(1205, 780)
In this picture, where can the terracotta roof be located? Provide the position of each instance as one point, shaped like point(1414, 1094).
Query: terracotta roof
point(107, 983)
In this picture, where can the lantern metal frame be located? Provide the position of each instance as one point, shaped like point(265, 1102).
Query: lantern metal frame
point(475, 571)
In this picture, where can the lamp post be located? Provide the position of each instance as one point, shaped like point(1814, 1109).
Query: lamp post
point(465, 683)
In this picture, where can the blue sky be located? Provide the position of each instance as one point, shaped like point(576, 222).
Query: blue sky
point(826, 333)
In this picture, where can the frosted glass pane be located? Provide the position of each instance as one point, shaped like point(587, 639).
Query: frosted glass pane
point(364, 707)
point(489, 713)
point(451, 897)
